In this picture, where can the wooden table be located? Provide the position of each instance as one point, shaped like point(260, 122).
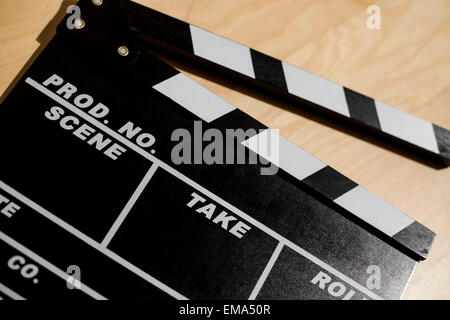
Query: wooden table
point(405, 64)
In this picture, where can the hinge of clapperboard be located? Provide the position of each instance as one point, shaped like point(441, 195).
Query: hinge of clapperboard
point(127, 28)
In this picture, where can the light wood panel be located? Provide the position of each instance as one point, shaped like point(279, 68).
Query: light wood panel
point(405, 64)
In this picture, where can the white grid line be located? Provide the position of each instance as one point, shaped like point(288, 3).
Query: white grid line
point(10, 293)
point(120, 219)
point(91, 242)
point(265, 273)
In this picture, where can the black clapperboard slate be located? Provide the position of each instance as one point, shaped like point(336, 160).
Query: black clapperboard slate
point(82, 189)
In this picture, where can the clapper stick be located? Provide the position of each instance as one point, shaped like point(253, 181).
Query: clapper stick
point(288, 80)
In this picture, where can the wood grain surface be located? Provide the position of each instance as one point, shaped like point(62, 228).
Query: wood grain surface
point(405, 64)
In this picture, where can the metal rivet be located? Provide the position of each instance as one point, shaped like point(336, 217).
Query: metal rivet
point(123, 51)
point(97, 2)
point(79, 23)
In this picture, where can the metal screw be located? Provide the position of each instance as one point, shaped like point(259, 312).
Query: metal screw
point(79, 23)
point(123, 51)
point(97, 2)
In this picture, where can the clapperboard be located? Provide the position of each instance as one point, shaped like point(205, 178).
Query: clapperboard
point(93, 206)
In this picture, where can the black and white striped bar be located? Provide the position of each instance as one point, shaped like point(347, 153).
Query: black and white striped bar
point(306, 168)
point(289, 80)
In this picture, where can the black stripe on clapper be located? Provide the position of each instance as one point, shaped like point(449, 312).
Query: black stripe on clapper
point(330, 183)
point(443, 140)
point(362, 108)
point(157, 25)
point(268, 70)
point(416, 237)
